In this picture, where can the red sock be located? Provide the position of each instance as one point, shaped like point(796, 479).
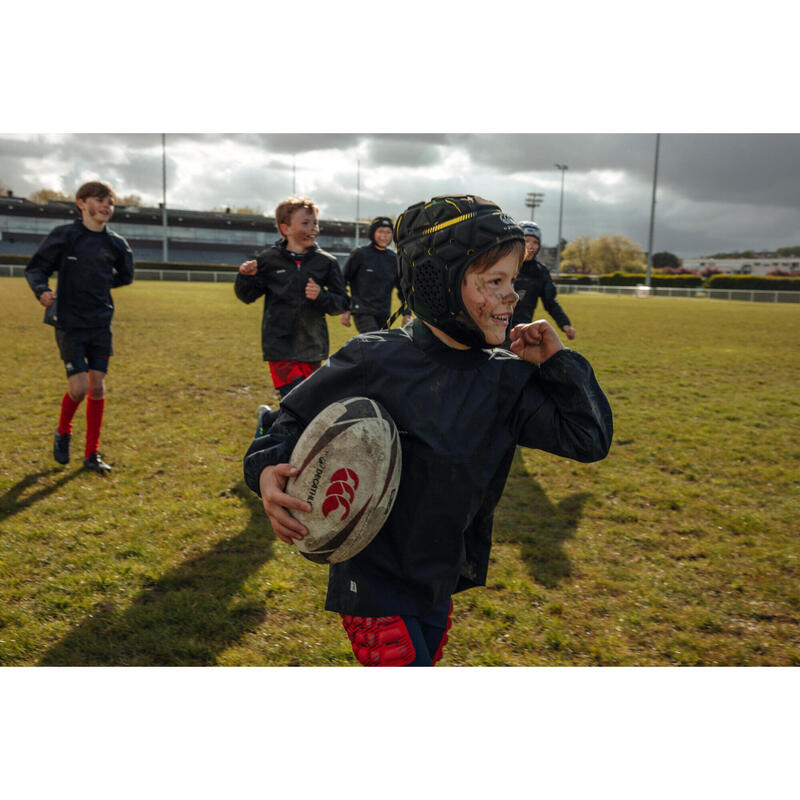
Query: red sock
point(68, 409)
point(94, 420)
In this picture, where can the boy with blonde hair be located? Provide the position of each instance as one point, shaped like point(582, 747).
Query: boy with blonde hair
point(300, 283)
point(461, 404)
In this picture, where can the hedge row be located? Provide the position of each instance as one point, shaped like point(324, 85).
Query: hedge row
point(754, 282)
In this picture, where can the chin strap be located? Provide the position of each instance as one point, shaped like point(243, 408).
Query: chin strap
point(402, 310)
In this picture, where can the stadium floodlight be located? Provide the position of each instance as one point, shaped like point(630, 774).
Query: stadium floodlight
point(652, 216)
point(165, 245)
point(358, 195)
point(533, 200)
point(563, 168)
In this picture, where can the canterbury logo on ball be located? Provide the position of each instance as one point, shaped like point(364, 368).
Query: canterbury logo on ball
point(341, 492)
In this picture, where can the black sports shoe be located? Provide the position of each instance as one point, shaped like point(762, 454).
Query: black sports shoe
point(94, 462)
point(61, 447)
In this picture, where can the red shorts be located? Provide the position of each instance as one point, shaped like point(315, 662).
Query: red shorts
point(287, 372)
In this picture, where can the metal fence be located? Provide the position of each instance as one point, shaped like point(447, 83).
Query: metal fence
point(210, 276)
point(752, 295)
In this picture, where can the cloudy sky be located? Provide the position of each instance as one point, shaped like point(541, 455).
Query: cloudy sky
point(715, 192)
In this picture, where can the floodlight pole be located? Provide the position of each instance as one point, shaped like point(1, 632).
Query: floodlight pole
point(358, 195)
point(533, 200)
point(563, 168)
point(165, 245)
point(294, 190)
point(652, 217)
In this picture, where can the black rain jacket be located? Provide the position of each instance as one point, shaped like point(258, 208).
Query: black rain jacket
point(460, 414)
point(533, 282)
point(293, 328)
point(372, 274)
point(89, 265)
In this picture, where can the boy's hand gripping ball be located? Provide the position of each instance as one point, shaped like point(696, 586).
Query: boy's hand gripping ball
point(349, 462)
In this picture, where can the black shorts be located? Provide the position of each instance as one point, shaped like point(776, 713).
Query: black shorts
point(83, 349)
point(369, 322)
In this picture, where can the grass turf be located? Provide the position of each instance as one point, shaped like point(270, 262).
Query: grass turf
point(679, 548)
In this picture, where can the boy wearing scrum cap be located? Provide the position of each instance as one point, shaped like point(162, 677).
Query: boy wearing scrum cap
point(534, 282)
point(465, 405)
point(371, 274)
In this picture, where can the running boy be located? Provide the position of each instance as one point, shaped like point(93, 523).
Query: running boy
point(534, 282)
point(301, 284)
point(371, 273)
point(463, 408)
point(90, 260)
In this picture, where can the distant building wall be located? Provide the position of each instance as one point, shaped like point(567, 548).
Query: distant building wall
point(758, 265)
point(193, 236)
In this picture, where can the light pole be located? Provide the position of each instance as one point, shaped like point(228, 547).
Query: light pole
point(165, 246)
point(533, 200)
point(358, 195)
point(652, 216)
point(563, 168)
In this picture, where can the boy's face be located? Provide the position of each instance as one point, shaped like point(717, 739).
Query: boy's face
point(302, 230)
point(383, 237)
point(96, 211)
point(531, 247)
point(489, 297)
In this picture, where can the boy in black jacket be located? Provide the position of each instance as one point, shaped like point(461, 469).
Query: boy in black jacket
point(371, 273)
point(90, 260)
point(464, 406)
point(301, 284)
point(534, 282)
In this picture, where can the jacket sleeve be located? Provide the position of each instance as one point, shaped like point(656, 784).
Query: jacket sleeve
point(333, 297)
point(350, 269)
point(45, 261)
point(123, 269)
point(563, 410)
point(549, 300)
point(249, 288)
point(351, 266)
point(342, 375)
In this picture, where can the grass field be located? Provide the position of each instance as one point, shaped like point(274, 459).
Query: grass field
point(681, 548)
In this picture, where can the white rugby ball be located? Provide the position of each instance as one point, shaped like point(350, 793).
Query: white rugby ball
point(349, 462)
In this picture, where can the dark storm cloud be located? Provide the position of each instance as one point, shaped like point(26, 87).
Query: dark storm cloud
point(523, 152)
point(401, 151)
point(756, 168)
point(293, 143)
point(744, 168)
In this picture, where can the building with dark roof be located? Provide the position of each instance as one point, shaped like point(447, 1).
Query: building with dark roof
point(207, 237)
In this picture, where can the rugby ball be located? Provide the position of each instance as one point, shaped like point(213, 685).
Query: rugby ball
point(349, 462)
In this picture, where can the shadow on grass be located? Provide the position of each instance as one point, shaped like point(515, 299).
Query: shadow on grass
point(12, 502)
point(186, 617)
point(539, 526)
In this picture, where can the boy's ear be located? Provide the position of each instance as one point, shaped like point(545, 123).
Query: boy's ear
point(282, 228)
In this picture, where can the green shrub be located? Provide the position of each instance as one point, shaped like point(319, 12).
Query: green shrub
point(754, 282)
point(621, 279)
